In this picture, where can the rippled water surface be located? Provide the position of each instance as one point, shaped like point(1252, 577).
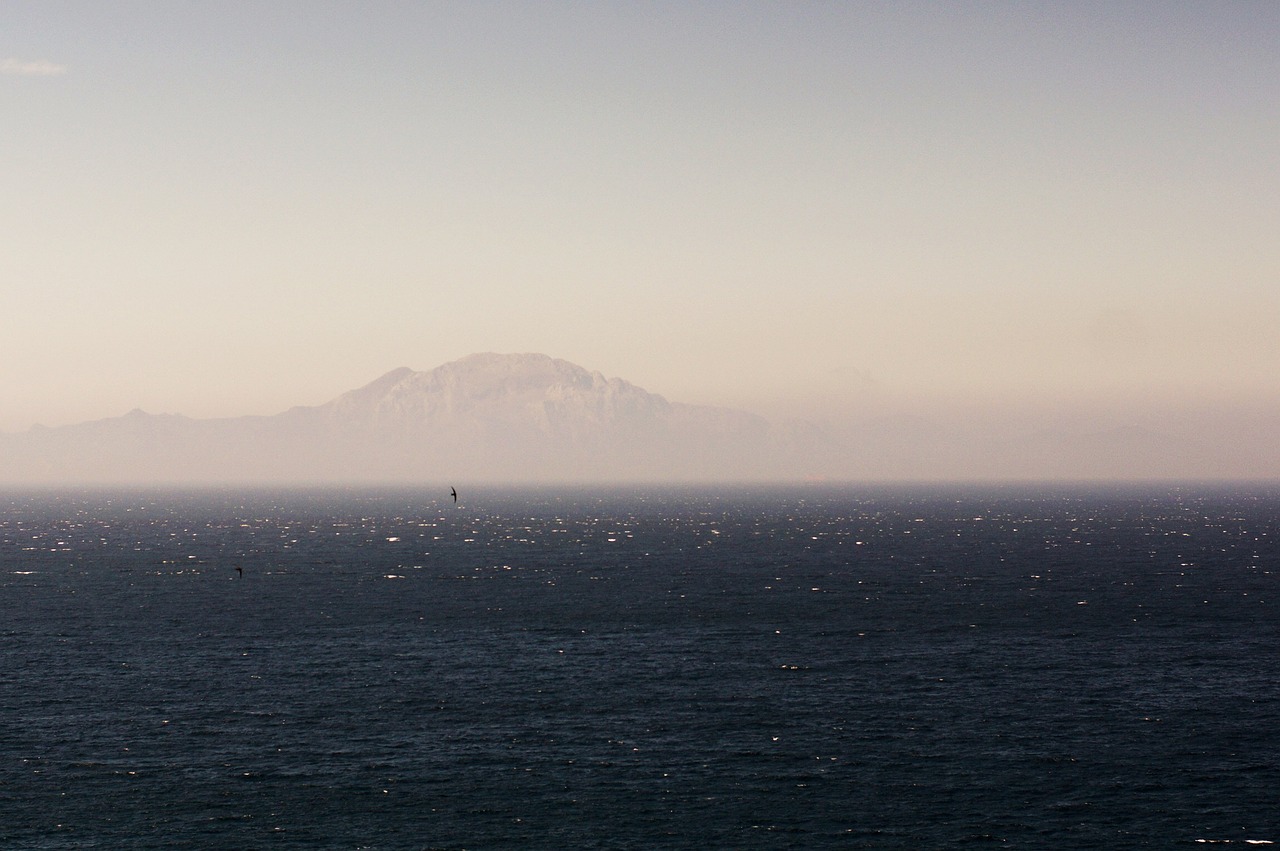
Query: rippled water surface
point(807, 668)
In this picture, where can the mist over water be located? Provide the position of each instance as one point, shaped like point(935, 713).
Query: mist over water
point(550, 667)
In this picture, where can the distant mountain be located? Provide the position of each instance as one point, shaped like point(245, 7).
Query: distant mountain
point(532, 418)
point(520, 417)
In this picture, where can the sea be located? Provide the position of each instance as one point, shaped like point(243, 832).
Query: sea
point(923, 667)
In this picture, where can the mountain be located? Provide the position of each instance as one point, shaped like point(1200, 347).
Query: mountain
point(498, 417)
point(532, 418)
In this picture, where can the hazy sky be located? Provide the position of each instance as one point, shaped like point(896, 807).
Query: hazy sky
point(222, 208)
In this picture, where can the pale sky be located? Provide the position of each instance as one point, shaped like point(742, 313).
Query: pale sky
point(225, 208)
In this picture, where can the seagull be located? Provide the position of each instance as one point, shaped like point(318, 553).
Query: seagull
point(454, 492)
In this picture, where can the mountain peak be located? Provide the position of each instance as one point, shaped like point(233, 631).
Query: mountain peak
point(528, 390)
point(489, 367)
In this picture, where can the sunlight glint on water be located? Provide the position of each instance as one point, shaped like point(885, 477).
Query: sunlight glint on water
point(772, 668)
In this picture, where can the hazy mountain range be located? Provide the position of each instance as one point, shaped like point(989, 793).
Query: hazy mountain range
point(525, 417)
point(529, 417)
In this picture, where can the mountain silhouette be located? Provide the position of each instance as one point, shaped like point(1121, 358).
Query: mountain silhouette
point(486, 417)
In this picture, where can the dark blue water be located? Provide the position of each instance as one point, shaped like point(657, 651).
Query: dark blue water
point(806, 668)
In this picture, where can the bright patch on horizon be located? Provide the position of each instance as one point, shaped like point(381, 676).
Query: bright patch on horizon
point(36, 68)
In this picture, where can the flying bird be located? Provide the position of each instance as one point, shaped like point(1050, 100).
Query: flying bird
point(454, 492)
point(239, 571)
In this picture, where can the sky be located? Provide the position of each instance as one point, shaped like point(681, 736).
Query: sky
point(227, 208)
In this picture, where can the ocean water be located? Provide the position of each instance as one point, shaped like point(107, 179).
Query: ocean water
point(752, 668)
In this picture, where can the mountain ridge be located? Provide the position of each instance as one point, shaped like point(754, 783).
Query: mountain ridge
point(522, 417)
point(537, 419)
